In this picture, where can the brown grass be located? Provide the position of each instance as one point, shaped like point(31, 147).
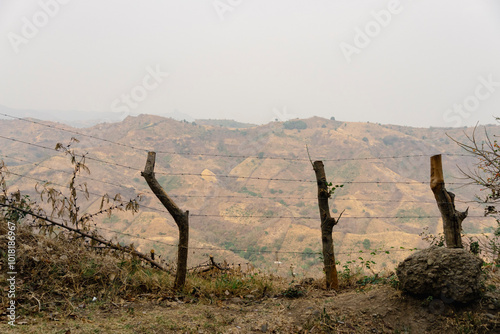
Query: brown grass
point(60, 271)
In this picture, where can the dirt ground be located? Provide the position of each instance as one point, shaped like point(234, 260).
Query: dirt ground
point(380, 309)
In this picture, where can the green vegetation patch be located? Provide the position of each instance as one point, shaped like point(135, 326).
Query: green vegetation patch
point(170, 183)
point(411, 215)
point(298, 125)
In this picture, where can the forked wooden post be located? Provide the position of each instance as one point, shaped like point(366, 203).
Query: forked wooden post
point(181, 218)
point(452, 219)
point(327, 224)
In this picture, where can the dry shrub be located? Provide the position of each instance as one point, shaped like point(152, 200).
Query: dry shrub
point(62, 271)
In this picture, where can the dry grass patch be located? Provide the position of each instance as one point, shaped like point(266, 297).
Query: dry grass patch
point(60, 272)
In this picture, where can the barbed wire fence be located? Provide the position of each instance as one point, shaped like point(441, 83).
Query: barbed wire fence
point(278, 253)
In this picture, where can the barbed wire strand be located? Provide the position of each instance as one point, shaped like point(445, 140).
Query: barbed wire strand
point(301, 217)
point(236, 196)
point(237, 176)
point(39, 164)
point(237, 216)
point(223, 155)
point(223, 249)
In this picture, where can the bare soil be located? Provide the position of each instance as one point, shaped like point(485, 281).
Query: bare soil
point(377, 309)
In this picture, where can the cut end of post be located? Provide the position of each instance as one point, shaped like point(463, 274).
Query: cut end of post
point(150, 163)
point(437, 177)
point(152, 156)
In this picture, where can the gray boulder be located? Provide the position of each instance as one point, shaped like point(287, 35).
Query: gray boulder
point(452, 274)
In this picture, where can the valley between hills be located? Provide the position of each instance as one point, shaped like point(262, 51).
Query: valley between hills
point(251, 190)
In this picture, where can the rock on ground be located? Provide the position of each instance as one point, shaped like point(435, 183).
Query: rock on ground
point(452, 274)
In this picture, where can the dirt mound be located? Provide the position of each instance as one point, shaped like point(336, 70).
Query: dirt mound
point(451, 273)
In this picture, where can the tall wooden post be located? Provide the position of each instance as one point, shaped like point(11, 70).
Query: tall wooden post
point(327, 224)
point(181, 218)
point(452, 219)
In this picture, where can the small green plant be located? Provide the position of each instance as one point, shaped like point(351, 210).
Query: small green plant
point(367, 280)
point(331, 188)
point(426, 302)
point(392, 280)
point(474, 247)
point(293, 292)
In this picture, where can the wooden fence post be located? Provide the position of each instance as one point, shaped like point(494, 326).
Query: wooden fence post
point(181, 218)
point(452, 219)
point(327, 224)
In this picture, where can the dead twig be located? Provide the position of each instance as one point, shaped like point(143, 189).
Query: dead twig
point(101, 240)
point(38, 300)
point(212, 262)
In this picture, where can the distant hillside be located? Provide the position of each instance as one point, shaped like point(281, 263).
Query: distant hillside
point(80, 119)
point(228, 123)
point(74, 118)
point(251, 191)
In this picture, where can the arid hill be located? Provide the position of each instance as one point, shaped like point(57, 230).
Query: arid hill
point(251, 192)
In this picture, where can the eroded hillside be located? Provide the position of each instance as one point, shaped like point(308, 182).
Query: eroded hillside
point(251, 192)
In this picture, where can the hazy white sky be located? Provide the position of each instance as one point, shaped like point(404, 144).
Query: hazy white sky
point(419, 63)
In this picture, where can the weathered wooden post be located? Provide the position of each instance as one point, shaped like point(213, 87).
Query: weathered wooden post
point(181, 218)
point(452, 219)
point(327, 224)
